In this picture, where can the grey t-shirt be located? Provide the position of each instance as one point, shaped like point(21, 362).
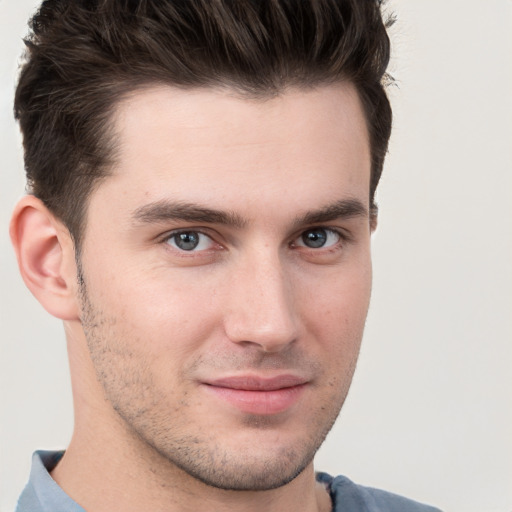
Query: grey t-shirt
point(42, 494)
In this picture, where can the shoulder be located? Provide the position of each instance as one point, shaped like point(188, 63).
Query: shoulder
point(350, 497)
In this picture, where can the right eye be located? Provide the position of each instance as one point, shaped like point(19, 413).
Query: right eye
point(190, 241)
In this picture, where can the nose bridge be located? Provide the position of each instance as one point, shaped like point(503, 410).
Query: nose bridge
point(261, 303)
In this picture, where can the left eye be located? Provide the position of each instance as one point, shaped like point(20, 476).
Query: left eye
point(190, 241)
point(318, 238)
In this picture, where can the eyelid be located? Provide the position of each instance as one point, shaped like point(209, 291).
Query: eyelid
point(343, 235)
point(176, 231)
point(164, 239)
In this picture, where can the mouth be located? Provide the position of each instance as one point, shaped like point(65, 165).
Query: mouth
point(258, 395)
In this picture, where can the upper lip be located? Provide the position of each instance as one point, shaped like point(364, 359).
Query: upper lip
point(257, 383)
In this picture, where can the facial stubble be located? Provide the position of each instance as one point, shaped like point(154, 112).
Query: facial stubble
point(153, 427)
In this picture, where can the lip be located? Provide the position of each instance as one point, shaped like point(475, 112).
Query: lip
point(258, 395)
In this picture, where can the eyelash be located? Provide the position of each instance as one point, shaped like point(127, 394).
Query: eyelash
point(342, 235)
point(169, 236)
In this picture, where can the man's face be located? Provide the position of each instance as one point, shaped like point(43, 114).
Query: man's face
point(226, 276)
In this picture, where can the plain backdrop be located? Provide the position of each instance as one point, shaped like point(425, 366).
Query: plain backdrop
point(430, 411)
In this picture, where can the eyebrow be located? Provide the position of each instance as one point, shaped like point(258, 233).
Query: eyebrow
point(166, 210)
point(343, 209)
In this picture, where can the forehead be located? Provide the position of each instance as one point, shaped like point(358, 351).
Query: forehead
point(214, 147)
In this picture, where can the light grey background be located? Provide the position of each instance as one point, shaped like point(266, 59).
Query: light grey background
point(430, 411)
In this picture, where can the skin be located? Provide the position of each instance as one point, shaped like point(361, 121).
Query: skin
point(151, 326)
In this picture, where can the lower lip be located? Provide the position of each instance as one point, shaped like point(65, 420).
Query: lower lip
point(259, 402)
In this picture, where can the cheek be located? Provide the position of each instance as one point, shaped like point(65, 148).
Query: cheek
point(335, 319)
point(337, 305)
point(161, 315)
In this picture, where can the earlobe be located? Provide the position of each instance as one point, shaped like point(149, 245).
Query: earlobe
point(46, 259)
point(373, 221)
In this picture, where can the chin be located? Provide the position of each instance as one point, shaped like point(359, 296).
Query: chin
point(249, 475)
point(250, 463)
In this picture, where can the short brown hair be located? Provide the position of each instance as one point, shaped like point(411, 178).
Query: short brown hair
point(83, 56)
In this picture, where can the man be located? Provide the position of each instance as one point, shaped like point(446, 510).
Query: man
point(202, 180)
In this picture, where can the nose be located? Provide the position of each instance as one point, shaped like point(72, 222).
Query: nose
point(261, 305)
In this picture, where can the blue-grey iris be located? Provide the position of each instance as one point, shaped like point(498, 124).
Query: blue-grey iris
point(187, 241)
point(314, 238)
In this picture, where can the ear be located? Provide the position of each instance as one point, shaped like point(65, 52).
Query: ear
point(46, 257)
point(374, 218)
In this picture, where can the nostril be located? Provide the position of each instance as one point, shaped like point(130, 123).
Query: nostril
point(268, 334)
